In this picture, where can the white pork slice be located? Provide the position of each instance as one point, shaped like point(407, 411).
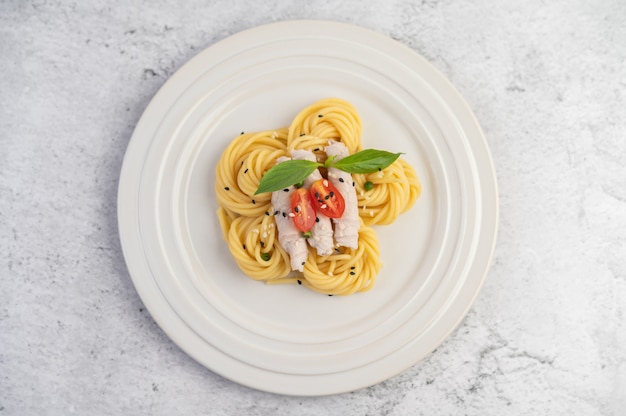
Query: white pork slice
point(322, 232)
point(346, 227)
point(289, 237)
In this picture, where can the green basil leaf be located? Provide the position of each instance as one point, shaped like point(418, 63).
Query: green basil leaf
point(329, 161)
point(366, 161)
point(285, 174)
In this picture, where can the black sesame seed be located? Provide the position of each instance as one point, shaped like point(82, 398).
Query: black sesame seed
point(244, 246)
point(331, 194)
point(352, 183)
point(352, 273)
point(299, 282)
point(284, 214)
point(227, 188)
point(316, 149)
point(286, 190)
point(329, 294)
point(246, 171)
point(379, 169)
point(303, 263)
point(320, 115)
point(341, 180)
point(302, 134)
point(296, 209)
point(352, 268)
point(242, 132)
point(326, 197)
point(267, 213)
point(317, 195)
point(276, 212)
point(317, 219)
point(253, 201)
point(262, 244)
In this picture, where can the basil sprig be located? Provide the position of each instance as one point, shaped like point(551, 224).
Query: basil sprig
point(285, 174)
point(366, 161)
point(291, 172)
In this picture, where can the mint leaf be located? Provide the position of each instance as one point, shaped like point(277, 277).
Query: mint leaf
point(285, 174)
point(365, 161)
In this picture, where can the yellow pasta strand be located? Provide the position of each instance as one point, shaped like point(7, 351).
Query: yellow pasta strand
point(329, 119)
point(348, 270)
point(241, 167)
point(247, 221)
point(395, 191)
point(249, 239)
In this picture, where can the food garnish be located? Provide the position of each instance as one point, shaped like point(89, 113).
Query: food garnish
point(291, 172)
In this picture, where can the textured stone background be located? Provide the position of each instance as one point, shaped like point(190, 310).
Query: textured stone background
point(547, 81)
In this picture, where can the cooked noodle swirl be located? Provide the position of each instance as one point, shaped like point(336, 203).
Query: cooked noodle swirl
point(247, 220)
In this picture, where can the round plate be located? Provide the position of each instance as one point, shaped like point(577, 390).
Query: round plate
point(287, 339)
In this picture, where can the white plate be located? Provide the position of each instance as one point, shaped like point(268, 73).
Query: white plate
point(287, 339)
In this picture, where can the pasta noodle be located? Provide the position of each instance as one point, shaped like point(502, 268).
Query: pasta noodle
point(395, 191)
point(248, 222)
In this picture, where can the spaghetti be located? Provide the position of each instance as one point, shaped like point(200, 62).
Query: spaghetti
point(248, 221)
